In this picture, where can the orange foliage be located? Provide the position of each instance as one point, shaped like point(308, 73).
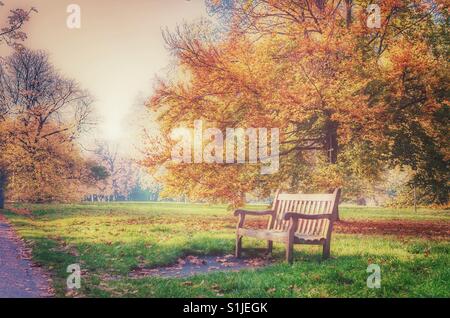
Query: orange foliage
point(325, 80)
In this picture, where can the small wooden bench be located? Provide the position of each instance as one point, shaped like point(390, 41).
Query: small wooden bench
point(294, 219)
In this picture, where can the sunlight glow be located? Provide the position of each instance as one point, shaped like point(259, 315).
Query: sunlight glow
point(112, 131)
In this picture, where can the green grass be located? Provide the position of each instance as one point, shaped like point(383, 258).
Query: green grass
point(161, 209)
point(112, 239)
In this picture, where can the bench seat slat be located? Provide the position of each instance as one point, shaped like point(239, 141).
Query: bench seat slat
point(273, 235)
point(311, 239)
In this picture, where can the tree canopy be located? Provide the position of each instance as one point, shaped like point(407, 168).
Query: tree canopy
point(351, 101)
point(42, 114)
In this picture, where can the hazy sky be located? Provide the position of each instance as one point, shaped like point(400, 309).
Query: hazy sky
point(117, 51)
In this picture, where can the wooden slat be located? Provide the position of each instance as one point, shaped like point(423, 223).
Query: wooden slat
point(311, 239)
point(325, 227)
point(302, 229)
point(275, 206)
point(321, 223)
point(311, 223)
point(296, 206)
point(280, 236)
point(289, 207)
point(308, 222)
point(279, 214)
point(301, 223)
point(318, 229)
point(306, 197)
point(314, 224)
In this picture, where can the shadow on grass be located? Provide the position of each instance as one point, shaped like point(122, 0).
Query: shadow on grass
point(344, 275)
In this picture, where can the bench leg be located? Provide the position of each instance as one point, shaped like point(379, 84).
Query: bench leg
point(238, 246)
point(326, 250)
point(289, 252)
point(269, 247)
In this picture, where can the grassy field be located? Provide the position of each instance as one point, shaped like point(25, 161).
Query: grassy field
point(113, 239)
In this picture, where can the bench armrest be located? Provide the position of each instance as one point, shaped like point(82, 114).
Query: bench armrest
point(296, 216)
point(247, 212)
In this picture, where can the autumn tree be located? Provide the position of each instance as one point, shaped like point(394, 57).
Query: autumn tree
point(42, 115)
point(347, 97)
point(12, 35)
point(122, 172)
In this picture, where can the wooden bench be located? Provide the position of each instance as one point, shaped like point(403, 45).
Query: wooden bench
point(294, 219)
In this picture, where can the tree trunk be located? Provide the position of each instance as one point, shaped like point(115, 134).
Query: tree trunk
point(348, 9)
point(320, 4)
point(2, 189)
point(331, 142)
point(332, 147)
point(2, 197)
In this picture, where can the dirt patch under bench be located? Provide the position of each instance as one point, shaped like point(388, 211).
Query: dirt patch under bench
point(192, 265)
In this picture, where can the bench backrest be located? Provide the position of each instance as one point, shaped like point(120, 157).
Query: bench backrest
point(305, 204)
